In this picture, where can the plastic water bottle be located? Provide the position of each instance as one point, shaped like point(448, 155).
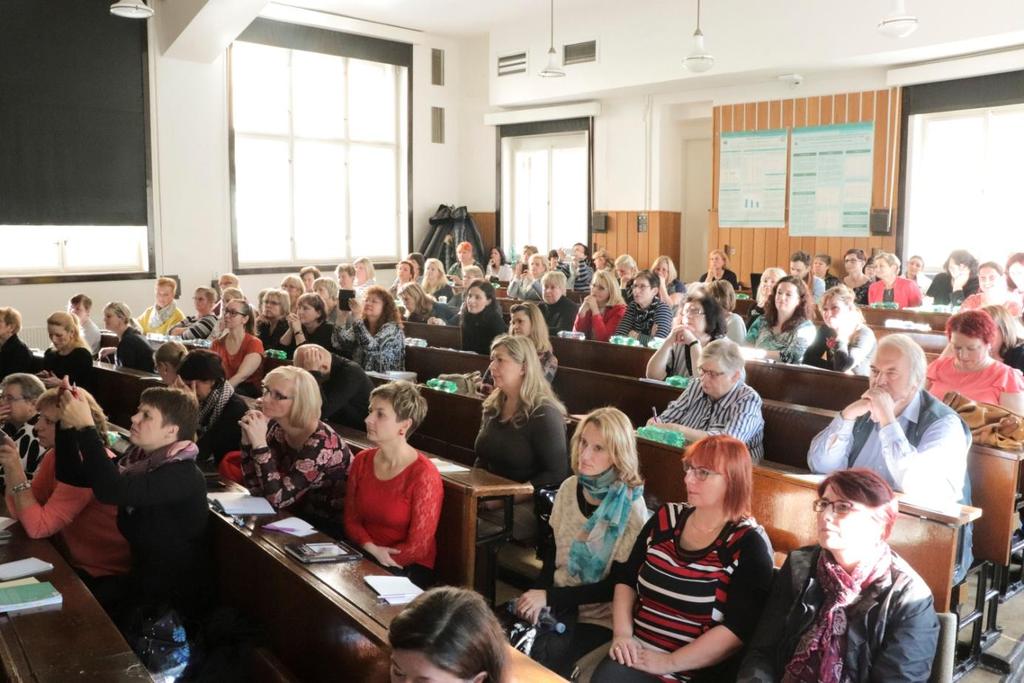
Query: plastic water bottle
point(668, 437)
point(656, 343)
point(547, 622)
point(569, 334)
point(276, 353)
point(415, 341)
point(444, 385)
point(677, 381)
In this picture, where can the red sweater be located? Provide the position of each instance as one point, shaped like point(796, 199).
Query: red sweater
point(599, 327)
point(400, 513)
point(905, 292)
point(88, 527)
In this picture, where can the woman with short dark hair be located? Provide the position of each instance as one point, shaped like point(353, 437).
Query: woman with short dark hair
point(481, 320)
point(647, 317)
point(697, 323)
point(372, 336)
point(854, 262)
point(957, 281)
point(307, 324)
point(220, 408)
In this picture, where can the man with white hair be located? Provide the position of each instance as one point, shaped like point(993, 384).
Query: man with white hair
point(896, 428)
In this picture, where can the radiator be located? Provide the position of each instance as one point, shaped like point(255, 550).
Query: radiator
point(35, 337)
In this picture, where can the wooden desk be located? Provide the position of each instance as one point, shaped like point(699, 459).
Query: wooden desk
point(441, 336)
point(74, 641)
point(878, 316)
point(118, 390)
point(930, 342)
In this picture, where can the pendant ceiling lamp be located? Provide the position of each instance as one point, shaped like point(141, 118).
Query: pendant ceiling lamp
point(897, 23)
point(554, 66)
point(699, 60)
point(131, 9)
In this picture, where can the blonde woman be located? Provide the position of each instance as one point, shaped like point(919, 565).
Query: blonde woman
point(670, 289)
point(1008, 345)
point(69, 356)
point(434, 281)
point(596, 518)
point(528, 321)
point(843, 343)
point(365, 275)
point(132, 351)
point(293, 285)
point(420, 307)
point(164, 315)
point(602, 310)
point(327, 289)
point(625, 270)
point(604, 261)
point(273, 320)
point(527, 283)
point(769, 277)
point(718, 269)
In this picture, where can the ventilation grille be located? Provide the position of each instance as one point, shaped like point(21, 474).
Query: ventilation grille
point(436, 66)
point(511, 64)
point(579, 53)
point(437, 125)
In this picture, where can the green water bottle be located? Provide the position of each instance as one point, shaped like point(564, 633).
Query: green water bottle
point(276, 353)
point(677, 381)
point(444, 385)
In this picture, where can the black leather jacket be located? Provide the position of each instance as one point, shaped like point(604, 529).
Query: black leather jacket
point(891, 636)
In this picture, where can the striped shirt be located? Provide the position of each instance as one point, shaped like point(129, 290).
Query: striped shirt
point(737, 414)
point(681, 594)
point(199, 328)
point(642, 320)
point(580, 275)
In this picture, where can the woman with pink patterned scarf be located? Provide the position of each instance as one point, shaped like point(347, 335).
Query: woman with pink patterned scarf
point(849, 608)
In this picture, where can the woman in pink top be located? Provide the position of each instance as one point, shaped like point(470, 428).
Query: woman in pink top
point(967, 367)
point(602, 310)
point(890, 287)
point(993, 291)
point(47, 507)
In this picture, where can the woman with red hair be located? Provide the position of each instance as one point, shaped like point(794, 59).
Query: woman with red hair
point(849, 608)
point(692, 590)
point(968, 368)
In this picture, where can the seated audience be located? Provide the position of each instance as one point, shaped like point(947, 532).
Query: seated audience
point(1015, 273)
point(160, 496)
point(309, 275)
point(718, 269)
point(294, 287)
point(957, 281)
point(217, 431)
point(394, 492)
point(528, 251)
point(497, 266)
point(366, 276)
point(769, 278)
point(897, 429)
point(435, 283)
point(522, 434)
point(70, 355)
point(481, 321)
point(273, 321)
point(403, 276)
point(820, 268)
point(132, 350)
point(526, 285)
point(470, 275)
point(596, 517)
point(290, 456)
point(856, 279)
point(167, 359)
point(559, 311)
point(604, 261)
point(307, 323)
point(421, 307)
point(418, 262)
point(47, 507)
point(843, 343)
point(80, 306)
point(15, 356)
point(625, 270)
point(527, 321)
point(1008, 344)
point(722, 292)
point(225, 282)
point(890, 287)
point(555, 262)
point(240, 351)
point(327, 290)
point(697, 323)
point(869, 269)
point(670, 287)
point(719, 402)
point(968, 368)
point(227, 295)
point(993, 291)
point(691, 593)
point(464, 258)
point(19, 417)
point(915, 272)
point(372, 336)
point(580, 270)
point(800, 268)
point(602, 310)
point(848, 608)
point(200, 325)
point(164, 315)
point(785, 330)
point(447, 634)
point(647, 316)
point(345, 273)
point(344, 386)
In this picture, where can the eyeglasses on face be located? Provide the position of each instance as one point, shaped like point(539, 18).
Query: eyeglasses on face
point(701, 473)
point(275, 394)
point(4, 398)
point(840, 508)
point(230, 312)
point(713, 374)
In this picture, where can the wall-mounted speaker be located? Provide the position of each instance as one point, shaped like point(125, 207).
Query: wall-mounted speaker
point(599, 221)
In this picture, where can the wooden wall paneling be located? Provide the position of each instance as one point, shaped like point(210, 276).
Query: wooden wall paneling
point(763, 113)
point(746, 248)
point(775, 114)
point(654, 236)
point(839, 103)
point(487, 225)
point(629, 228)
point(749, 116)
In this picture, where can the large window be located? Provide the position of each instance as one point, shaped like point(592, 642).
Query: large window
point(320, 156)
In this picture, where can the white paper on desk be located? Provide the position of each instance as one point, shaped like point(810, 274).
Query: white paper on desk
point(234, 503)
point(397, 590)
point(6, 522)
point(27, 567)
point(292, 525)
point(445, 467)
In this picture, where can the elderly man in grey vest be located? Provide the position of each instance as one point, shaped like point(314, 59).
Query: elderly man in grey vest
point(899, 430)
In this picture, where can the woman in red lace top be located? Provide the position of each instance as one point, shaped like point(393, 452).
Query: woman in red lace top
point(393, 496)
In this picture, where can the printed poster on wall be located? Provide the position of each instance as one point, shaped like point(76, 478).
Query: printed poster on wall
point(830, 180)
point(752, 179)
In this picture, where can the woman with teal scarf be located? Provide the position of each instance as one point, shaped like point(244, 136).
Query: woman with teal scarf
point(596, 517)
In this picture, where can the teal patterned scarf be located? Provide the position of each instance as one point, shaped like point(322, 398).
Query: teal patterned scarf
point(591, 550)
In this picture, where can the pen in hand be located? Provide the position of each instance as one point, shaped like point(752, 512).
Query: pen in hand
point(654, 411)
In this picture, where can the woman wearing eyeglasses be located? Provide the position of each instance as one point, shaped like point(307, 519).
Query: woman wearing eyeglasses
point(291, 457)
point(697, 323)
point(240, 350)
point(647, 316)
point(692, 590)
point(847, 609)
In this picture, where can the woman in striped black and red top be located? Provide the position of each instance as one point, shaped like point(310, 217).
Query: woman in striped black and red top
point(692, 591)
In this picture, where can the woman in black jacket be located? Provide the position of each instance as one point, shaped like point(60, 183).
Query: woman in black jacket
point(957, 281)
point(15, 355)
point(133, 351)
point(847, 609)
point(481, 320)
point(220, 408)
point(70, 355)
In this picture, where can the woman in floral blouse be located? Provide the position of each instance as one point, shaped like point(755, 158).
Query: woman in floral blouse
point(373, 335)
point(292, 458)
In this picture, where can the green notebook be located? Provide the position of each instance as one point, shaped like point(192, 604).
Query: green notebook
point(29, 596)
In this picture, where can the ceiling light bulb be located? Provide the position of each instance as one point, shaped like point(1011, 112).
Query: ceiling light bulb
point(554, 67)
point(897, 23)
point(131, 9)
point(699, 60)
